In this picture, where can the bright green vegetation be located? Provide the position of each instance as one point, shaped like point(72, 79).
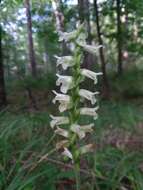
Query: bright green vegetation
point(25, 136)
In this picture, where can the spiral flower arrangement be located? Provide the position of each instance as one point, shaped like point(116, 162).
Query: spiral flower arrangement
point(71, 97)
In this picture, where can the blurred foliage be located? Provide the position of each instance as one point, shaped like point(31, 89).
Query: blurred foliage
point(25, 135)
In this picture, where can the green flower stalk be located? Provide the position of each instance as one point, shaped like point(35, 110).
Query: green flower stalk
point(71, 99)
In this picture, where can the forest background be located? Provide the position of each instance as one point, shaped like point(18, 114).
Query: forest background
point(29, 42)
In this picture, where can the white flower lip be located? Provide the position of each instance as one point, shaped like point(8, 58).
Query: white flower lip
point(61, 144)
point(88, 95)
point(58, 120)
point(65, 61)
point(67, 36)
point(60, 97)
point(62, 132)
point(87, 128)
point(63, 99)
point(65, 82)
point(76, 34)
point(90, 48)
point(89, 111)
point(90, 74)
point(76, 129)
point(64, 106)
point(81, 130)
point(67, 153)
point(81, 38)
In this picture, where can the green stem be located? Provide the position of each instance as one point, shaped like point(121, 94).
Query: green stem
point(77, 175)
point(74, 113)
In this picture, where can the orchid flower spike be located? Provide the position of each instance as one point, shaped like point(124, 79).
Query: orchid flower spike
point(68, 126)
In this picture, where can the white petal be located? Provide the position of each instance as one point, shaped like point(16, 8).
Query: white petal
point(60, 97)
point(76, 129)
point(80, 130)
point(67, 153)
point(90, 74)
point(81, 38)
point(61, 132)
point(57, 120)
point(65, 61)
point(63, 99)
point(89, 111)
point(87, 128)
point(90, 48)
point(64, 106)
point(65, 82)
point(88, 95)
point(67, 36)
point(61, 144)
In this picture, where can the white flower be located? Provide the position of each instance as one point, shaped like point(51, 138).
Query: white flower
point(57, 120)
point(67, 36)
point(81, 38)
point(63, 106)
point(60, 97)
point(78, 34)
point(86, 148)
point(65, 61)
point(76, 129)
point(81, 130)
point(62, 132)
point(90, 48)
point(67, 153)
point(65, 82)
point(89, 111)
point(63, 99)
point(61, 144)
point(88, 95)
point(90, 74)
point(87, 128)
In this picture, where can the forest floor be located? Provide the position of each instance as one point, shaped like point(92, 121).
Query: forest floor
point(26, 138)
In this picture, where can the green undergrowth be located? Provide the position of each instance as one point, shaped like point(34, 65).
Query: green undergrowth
point(25, 138)
point(45, 81)
point(128, 85)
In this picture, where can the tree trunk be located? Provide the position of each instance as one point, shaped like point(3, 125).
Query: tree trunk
point(58, 15)
point(56, 4)
point(81, 10)
point(30, 39)
point(84, 17)
point(2, 84)
point(87, 20)
point(119, 38)
point(101, 53)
